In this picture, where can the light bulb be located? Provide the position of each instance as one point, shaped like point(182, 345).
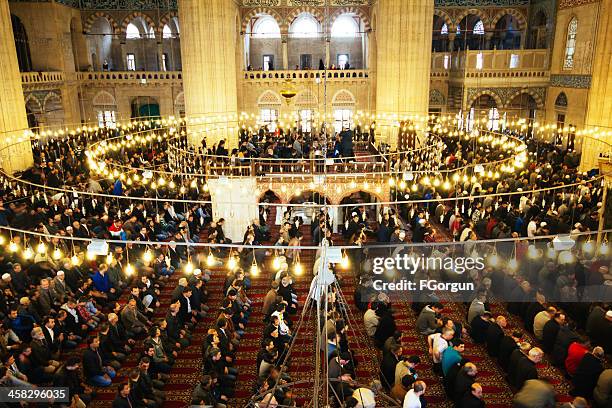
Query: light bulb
point(129, 269)
point(298, 269)
point(41, 248)
point(109, 259)
point(28, 253)
point(493, 260)
point(147, 256)
point(532, 252)
point(512, 264)
point(90, 256)
point(189, 268)
point(2, 239)
point(276, 264)
point(588, 247)
point(57, 254)
point(551, 253)
point(231, 263)
point(344, 262)
point(254, 270)
point(604, 249)
point(210, 259)
point(74, 260)
point(13, 247)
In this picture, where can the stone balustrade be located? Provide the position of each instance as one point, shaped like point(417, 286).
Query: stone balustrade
point(142, 77)
point(34, 78)
point(359, 75)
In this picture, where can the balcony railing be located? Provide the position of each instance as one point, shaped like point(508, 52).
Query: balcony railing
point(491, 64)
point(131, 76)
point(42, 77)
point(308, 75)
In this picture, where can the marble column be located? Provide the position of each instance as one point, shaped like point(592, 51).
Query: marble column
point(15, 148)
point(451, 41)
point(600, 93)
point(285, 52)
point(403, 63)
point(209, 35)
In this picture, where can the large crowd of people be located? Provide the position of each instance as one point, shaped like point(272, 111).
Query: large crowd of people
point(69, 320)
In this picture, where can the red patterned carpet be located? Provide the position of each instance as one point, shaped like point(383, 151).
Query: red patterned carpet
point(187, 369)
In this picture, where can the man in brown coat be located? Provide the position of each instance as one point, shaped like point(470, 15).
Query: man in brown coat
point(270, 300)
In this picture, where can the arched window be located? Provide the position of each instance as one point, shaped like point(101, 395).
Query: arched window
point(305, 26)
point(345, 26)
point(132, 31)
point(570, 44)
point(479, 28)
point(561, 101)
point(266, 27)
point(166, 32)
point(444, 29)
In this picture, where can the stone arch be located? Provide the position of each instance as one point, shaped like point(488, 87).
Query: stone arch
point(165, 19)
point(258, 12)
point(343, 98)
point(269, 98)
point(263, 191)
point(104, 98)
point(561, 100)
point(492, 94)
point(538, 100)
point(180, 99)
point(363, 16)
point(128, 19)
point(315, 12)
point(477, 12)
point(93, 17)
point(436, 97)
point(510, 11)
point(48, 98)
point(444, 16)
point(357, 189)
point(31, 101)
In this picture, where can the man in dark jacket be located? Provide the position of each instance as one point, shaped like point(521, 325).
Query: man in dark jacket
point(94, 371)
point(479, 327)
point(565, 337)
point(464, 381)
point(495, 334)
point(550, 331)
point(526, 368)
point(123, 398)
point(508, 344)
point(387, 369)
point(473, 399)
point(587, 373)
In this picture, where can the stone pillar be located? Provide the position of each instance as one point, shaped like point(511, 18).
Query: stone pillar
point(285, 53)
point(208, 50)
point(403, 62)
point(451, 41)
point(327, 53)
point(600, 93)
point(123, 55)
point(13, 118)
point(160, 57)
point(488, 38)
